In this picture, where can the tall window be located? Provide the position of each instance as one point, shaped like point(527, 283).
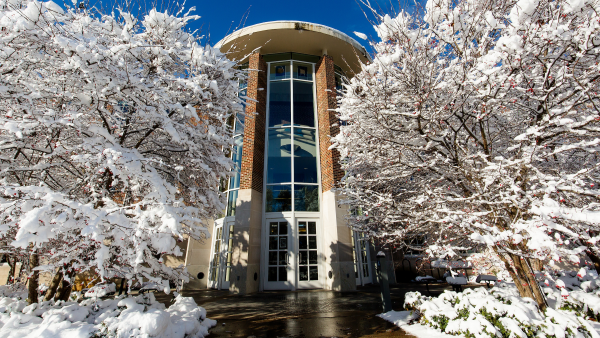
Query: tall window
point(232, 185)
point(292, 176)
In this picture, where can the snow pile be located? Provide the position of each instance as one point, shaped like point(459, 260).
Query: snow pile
point(501, 312)
point(140, 316)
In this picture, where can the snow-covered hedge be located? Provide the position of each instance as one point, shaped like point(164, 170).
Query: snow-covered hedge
point(573, 297)
point(139, 316)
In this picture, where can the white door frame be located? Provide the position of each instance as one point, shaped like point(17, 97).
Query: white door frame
point(318, 282)
point(278, 254)
point(223, 225)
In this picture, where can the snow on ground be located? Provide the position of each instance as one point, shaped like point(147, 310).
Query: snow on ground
point(140, 316)
point(573, 299)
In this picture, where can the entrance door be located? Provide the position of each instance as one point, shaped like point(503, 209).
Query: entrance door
point(308, 257)
point(220, 265)
point(362, 258)
point(279, 256)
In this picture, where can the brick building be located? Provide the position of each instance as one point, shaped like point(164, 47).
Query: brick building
point(283, 229)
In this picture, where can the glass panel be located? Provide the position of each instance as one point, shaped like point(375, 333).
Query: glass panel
point(304, 108)
point(312, 242)
point(305, 155)
point(303, 273)
point(283, 242)
point(282, 257)
point(280, 110)
point(306, 197)
point(314, 272)
point(227, 273)
point(272, 243)
point(365, 270)
point(279, 154)
point(303, 71)
point(283, 226)
point(312, 228)
point(302, 228)
point(231, 202)
point(282, 274)
point(302, 243)
point(280, 71)
point(312, 257)
point(234, 181)
point(272, 257)
point(279, 198)
point(303, 257)
point(273, 228)
point(239, 122)
point(272, 275)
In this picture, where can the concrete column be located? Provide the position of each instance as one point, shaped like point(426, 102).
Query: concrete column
point(197, 260)
point(338, 255)
point(245, 271)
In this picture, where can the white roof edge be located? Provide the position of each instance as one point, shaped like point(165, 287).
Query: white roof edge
point(286, 24)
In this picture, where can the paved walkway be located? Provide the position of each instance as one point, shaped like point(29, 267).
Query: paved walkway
point(303, 313)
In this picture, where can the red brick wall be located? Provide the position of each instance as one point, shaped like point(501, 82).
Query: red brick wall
point(254, 131)
point(331, 171)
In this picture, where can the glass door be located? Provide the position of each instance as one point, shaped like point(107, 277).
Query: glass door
point(279, 256)
point(215, 262)
point(308, 255)
point(362, 258)
point(220, 264)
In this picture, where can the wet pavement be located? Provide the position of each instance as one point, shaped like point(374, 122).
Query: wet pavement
point(314, 313)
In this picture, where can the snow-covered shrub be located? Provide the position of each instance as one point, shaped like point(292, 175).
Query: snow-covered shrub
point(140, 316)
point(500, 312)
point(100, 290)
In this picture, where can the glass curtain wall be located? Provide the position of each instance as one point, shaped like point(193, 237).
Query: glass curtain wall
point(292, 173)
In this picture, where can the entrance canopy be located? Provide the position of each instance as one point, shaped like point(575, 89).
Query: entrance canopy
point(298, 37)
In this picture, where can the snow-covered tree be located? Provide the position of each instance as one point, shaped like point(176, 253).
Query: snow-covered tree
point(111, 138)
point(478, 122)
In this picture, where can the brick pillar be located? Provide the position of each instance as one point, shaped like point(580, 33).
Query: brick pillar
point(331, 171)
point(338, 255)
point(245, 271)
point(254, 131)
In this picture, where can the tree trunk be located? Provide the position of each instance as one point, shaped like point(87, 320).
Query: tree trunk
point(594, 256)
point(11, 270)
point(66, 286)
point(523, 277)
point(34, 279)
point(58, 276)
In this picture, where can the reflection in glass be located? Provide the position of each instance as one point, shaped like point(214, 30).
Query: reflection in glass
point(305, 156)
point(304, 109)
point(314, 272)
point(303, 273)
point(312, 257)
point(279, 198)
point(280, 113)
point(312, 242)
point(303, 257)
point(279, 154)
point(272, 243)
point(303, 71)
point(312, 228)
point(282, 257)
point(273, 258)
point(302, 228)
point(283, 242)
point(283, 226)
point(232, 198)
point(273, 228)
point(302, 243)
point(306, 197)
point(282, 274)
point(239, 123)
point(280, 71)
point(272, 275)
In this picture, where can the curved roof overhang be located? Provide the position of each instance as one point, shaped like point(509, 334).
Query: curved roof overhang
point(297, 37)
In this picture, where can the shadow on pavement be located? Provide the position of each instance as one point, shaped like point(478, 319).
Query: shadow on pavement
point(315, 313)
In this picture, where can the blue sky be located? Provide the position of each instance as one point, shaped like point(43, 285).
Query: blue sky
point(220, 17)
